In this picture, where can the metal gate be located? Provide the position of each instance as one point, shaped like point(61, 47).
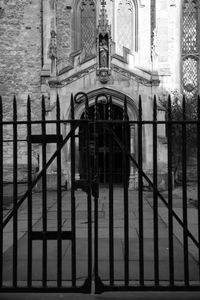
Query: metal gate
point(98, 230)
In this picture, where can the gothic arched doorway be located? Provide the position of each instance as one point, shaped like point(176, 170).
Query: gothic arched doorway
point(103, 145)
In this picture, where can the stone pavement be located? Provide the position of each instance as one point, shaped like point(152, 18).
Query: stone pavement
point(81, 241)
point(106, 296)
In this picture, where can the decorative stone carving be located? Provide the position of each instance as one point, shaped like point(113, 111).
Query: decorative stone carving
point(103, 53)
point(87, 2)
point(53, 52)
point(103, 46)
point(154, 50)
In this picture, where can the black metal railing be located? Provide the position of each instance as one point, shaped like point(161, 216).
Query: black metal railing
point(109, 133)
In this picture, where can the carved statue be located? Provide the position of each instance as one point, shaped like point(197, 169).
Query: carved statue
point(103, 50)
point(103, 45)
point(53, 51)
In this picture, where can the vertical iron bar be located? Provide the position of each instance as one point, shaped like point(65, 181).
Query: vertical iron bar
point(59, 197)
point(170, 197)
point(198, 170)
point(29, 158)
point(155, 195)
point(126, 206)
point(184, 182)
point(88, 166)
point(96, 178)
point(140, 195)
point(104, 144)
point(111, 221)
point(73, 200)
point(15, 192)
point(1, 192)
point(44, 198)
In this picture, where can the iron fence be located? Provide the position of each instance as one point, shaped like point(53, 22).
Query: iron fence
point(92, 131)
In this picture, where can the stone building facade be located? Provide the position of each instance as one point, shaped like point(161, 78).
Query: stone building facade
point(120, 47)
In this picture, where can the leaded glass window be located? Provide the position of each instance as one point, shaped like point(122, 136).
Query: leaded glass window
point(189, 27)
point(190, 49)
point(125, 25)
point(88, 25)
point(190, 77)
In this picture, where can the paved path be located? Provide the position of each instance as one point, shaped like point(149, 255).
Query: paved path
point(107, 296)
point(81, 241)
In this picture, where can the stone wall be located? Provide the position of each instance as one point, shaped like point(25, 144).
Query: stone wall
point(20, 65)
point(64, 39)
point(168, 24)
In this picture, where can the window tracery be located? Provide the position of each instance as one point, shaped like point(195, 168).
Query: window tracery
point(122, 16)
point(88, 25)
point(190, 48)
point(125, 25)
point(84, 26)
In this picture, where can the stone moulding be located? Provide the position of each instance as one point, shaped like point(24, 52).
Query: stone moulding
point(61, 83)
point(153, 81)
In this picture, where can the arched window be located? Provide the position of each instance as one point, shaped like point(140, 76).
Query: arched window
point(190, 48)
point(126, 31)
point(84, 25)
point(122, 16)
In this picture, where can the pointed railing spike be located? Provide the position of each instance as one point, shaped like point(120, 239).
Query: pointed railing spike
point(1, 108)
point(28, 108)
point(154, 108)
point(184, 107)
point(125, 115)
point(86, 107)
point(43, 107)
point(58, 107)
point(169, 107)
point(198, 107)
point(140, 108)
point(72, 106)
point(14, 108)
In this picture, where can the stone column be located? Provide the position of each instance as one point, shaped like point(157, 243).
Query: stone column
point(49, 24)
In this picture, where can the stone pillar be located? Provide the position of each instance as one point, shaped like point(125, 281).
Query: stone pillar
point(49, 24)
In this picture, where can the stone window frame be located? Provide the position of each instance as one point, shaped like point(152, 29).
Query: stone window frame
point(76, 26)
point(135, 20)
point(190, 55)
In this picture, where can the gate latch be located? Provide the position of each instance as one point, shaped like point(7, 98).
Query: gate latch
point(95, 187)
